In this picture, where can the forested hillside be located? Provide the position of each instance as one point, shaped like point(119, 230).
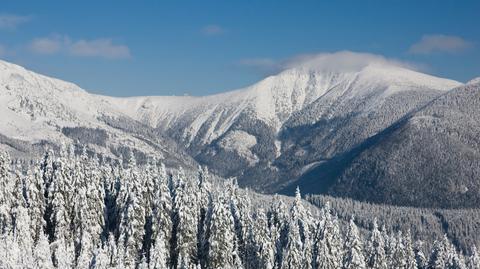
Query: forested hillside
point(73, 211)
point(462, 226)
point(430, 158)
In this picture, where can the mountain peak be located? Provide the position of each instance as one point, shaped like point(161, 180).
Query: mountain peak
point(474, 81)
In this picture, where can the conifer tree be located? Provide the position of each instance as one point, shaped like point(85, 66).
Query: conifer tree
point(133, 215)
point(159, 253)
point(185, 218)
point(304, 221)
point(277, 220)
point(264, 243)
point(293, 256)
point(439, 255)
point(64, 254)
point(36, 201)
point(353, 246)
point(9, 251)
point(474, 259)
point(204, 199)
point(398, 252)
point(162, 226)
point(6, 190)
point(221, 246)
point(376, 258)
point(410, 258)
point(42, 254)
point(420, 258)
point(329, 242)
point(23, 237)
point(453, 259)
point(100, 259)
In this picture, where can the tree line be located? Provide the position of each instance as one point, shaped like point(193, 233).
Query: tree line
point(72, 210)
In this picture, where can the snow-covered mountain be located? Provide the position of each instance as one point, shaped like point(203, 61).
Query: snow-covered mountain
point(429, 158)
point(36, 109)
point(273, 100)
point(267, 135)
point(286, 124)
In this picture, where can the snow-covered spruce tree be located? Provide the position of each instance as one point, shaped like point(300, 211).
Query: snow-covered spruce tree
point(277, 219)
point(402, 252)
point(376, 258)
point(112, 252)
point(240, 206)
point(264, 243)
point(329, 246)
point(293, 253)
point(87, 251)
point(185, 219)
point(453, 259)
point(390, 246)
point(100, 259)
point(16, 244)
point(41, 253)
point(353, 246)
point(204, 198)
point(444, 255)
point(420, 258)
point(474, 259)
point(95, 209)
point(22, 236)
point(221, 243)
point(162, 225)
point(64, 253)
point(410, 258)
point(47, 171)
point(159, 253)
point(89, 209)
point(303, 218)
point(133, 217)
point(396, 251)
point(59, 219)
point(149, 177)
point(36, 201)
point(6, 190)
point(9, 252)
point(439, 255)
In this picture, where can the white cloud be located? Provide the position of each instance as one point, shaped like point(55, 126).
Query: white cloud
point(338, 61)
point(439, 43)
point(48, 45)
point(99, 48)
point(10, 21)
point(102, 47)
point(212, 30)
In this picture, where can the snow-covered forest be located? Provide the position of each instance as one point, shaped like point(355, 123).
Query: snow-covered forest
point(78, 211)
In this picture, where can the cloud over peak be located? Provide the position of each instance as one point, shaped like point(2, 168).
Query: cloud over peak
point(102, 47)
point(343, 61)
point(440, 43)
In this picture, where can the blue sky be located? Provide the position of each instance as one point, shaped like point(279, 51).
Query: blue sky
point(126, 48)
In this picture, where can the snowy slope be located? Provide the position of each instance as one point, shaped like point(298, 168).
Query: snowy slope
point(429, 158)
point(273, 100)
point(36, 108)
point(296, 118)
point(277, 128)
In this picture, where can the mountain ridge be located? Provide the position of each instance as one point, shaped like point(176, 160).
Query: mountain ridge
point(268, 135)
